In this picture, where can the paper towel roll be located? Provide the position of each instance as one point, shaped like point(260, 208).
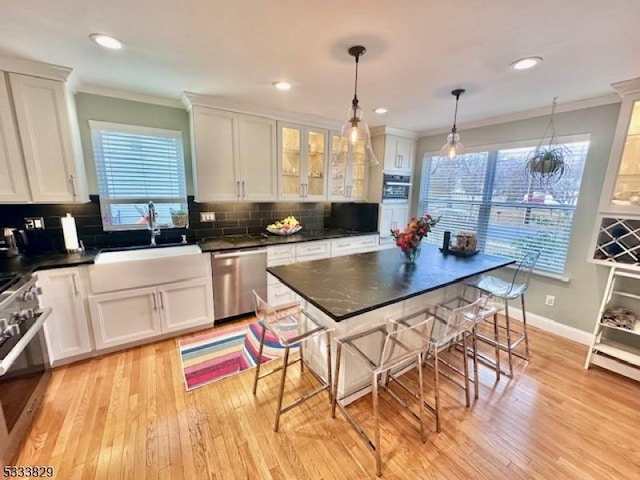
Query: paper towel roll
point(70, 233)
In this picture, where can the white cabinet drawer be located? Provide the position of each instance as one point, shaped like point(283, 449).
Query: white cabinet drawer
point(279, 294)
point(347, 246)
point(280, 255)
point(320, 249)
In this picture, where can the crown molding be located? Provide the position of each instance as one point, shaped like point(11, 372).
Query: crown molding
point(190, 100)
point(627, 86)
point(133, 96)
point(33, 68)
point(538, 112)
point(398, 132)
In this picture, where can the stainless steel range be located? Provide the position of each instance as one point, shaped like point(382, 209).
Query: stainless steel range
point(24, 362)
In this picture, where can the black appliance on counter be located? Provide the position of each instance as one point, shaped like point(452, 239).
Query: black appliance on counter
point(24, 360)
point(359, 217)
point(32, 242)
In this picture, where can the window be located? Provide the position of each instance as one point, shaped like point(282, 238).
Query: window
point(488, 192)
point(135, 165)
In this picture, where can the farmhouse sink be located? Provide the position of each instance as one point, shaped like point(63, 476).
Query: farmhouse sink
point(106, 257)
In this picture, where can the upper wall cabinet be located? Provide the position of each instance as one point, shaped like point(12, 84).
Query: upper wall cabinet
point(234, 156)
point(398, 154)
point(302, 162)
point(49, 161)
point(13, 177)
point(621, 191)
point(348, 179)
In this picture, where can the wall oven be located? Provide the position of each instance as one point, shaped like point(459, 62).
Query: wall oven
point(395, 188)
point(24, 361)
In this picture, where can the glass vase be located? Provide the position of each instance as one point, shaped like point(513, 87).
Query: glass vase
point(410, 256)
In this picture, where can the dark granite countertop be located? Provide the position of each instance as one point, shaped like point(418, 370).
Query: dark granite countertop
point(343, 287)
point(25, 265)
point(252, 241)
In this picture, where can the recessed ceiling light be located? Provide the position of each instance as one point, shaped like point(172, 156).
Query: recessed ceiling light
point(282, 85)
point(106, 41)
point(526, 63)
point(380, 110)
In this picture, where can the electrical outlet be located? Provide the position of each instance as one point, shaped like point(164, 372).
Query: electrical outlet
point(550, 301)
point(34, 223)
point(207, 216)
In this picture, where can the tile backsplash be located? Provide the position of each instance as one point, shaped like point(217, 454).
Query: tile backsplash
point(231, 219)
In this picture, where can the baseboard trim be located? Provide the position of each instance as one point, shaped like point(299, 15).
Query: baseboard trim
point(554, 327)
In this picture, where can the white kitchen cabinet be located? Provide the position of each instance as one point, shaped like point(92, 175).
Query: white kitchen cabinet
point(124, 317)
point(348, 178)
point(67, 329)
point(302, 162)
point(398, 154)
point(13, 177)
point(612, 347)
point(351, 245)
point(392, 217)
point(54, 167)
point(186, 304)
point(234, 156)
point(316, 250)
point(621, 189)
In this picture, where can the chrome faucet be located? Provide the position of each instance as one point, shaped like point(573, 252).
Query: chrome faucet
point(155, 231)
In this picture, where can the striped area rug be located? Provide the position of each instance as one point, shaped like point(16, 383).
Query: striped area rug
point(225, 352)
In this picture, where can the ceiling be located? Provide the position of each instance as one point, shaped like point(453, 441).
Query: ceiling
point(417, 51)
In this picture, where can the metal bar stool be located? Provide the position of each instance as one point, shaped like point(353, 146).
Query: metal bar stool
point(450, 327)
point(506, 291)
point(290, 326)
point(379, 350)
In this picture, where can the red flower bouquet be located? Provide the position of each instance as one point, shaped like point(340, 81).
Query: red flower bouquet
point(409, 240)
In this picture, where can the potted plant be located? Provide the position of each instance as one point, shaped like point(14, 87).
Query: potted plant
point(548, 163)
point(179, 217)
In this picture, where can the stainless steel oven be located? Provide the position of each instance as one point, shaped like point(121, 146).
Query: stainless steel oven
point(395, 188)
point(24, 362)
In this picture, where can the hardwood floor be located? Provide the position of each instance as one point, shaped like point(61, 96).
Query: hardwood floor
point(127, 416)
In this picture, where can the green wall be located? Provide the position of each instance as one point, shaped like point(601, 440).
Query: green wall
point(577, 302)
point(116, 110)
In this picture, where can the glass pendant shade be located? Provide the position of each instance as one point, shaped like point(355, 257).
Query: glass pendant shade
point(453, 147)
point(355, 139)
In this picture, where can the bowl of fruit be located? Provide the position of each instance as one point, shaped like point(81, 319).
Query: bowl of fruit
point(287, 226)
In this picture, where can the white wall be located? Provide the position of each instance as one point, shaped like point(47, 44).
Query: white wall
point(576, 302)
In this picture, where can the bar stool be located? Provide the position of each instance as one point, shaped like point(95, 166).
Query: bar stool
point(291, 326)
point(390, 350)
point(506, 291)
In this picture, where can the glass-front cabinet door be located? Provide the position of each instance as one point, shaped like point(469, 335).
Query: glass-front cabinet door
point(290, 162)
point(347, 178)
point(627, 183)
point(302, 162)
point(621, 189)
point(315, 185)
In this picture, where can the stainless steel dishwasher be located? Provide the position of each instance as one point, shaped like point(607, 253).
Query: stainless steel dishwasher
point(235, 275)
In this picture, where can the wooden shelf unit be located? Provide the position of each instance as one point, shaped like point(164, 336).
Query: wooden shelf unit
point(614, 355)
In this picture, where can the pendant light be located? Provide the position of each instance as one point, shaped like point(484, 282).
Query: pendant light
point(355, 139)
point(453, 147)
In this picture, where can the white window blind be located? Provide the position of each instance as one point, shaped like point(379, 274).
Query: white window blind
point(135, 165)
point(489, 193)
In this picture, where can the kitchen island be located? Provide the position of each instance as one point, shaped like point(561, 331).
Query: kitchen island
point(355, 292)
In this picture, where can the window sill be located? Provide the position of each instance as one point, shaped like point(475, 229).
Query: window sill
point(552, 276)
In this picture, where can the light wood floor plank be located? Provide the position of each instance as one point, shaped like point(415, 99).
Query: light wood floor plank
point(128, 415)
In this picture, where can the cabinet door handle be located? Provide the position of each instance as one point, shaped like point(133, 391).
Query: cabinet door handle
point(238, 188)
point(75, 285)
point(155, 303)
point(72, 180)
point(244, 193)
point(161, 300)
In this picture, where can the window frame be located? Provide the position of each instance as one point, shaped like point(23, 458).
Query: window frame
point(106, 202)
point(492, 151)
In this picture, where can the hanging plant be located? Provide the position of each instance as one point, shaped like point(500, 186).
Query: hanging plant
point(548, 163)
